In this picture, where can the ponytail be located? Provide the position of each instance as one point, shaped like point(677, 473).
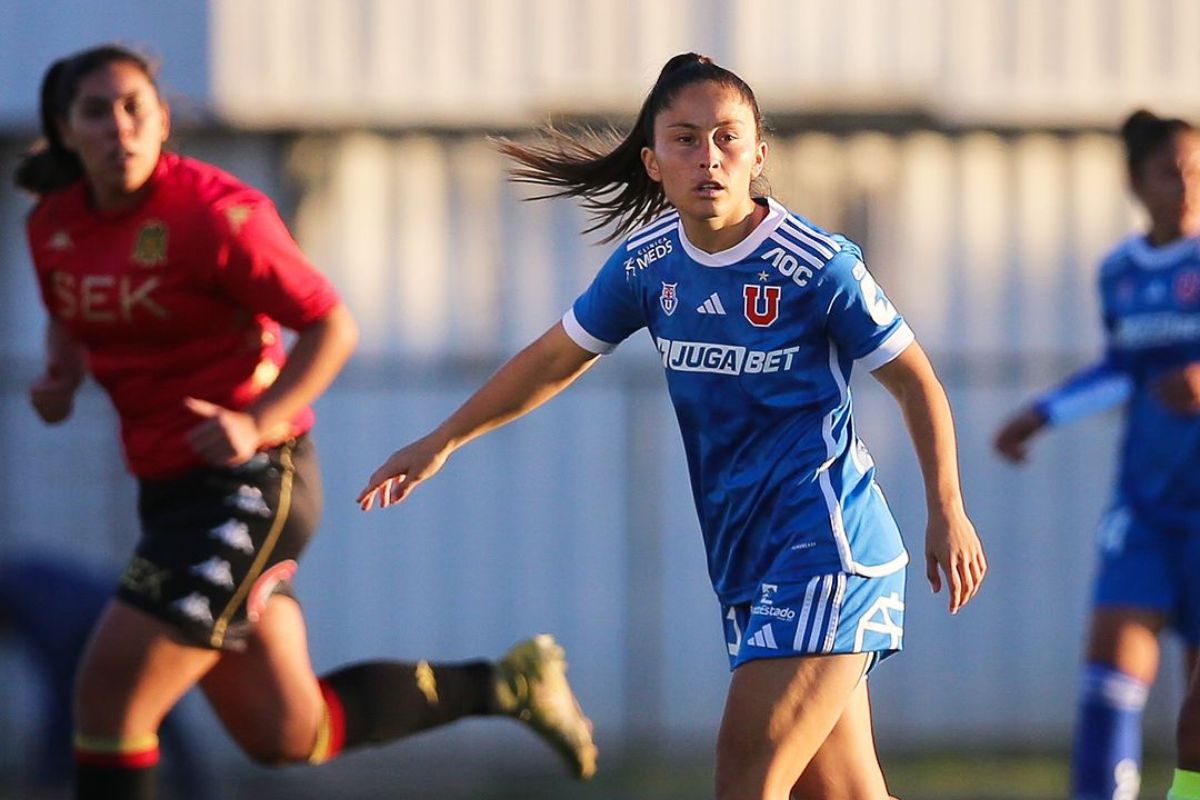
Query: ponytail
point(50, 165)
point(606, 171)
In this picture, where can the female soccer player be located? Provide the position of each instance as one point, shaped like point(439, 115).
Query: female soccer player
point(169, 280)
point(1149, 548)
point(758, 317)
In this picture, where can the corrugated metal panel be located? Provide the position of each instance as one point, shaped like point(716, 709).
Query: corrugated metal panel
point(478, 62)
point(579, 519)
point(333, 63)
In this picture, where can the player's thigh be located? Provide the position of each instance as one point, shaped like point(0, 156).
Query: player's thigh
point(846, 767)
point(778, 714)
point(266, 695)
point(133, 671)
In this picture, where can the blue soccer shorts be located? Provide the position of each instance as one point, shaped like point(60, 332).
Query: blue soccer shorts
point(1150, 566)
point(818, 615)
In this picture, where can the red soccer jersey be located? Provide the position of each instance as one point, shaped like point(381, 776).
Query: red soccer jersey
point(182, 296)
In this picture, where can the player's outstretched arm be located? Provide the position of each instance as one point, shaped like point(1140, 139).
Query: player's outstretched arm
point(1095, 388)
point(52, 394)
point(528, 379)
point(951, 544)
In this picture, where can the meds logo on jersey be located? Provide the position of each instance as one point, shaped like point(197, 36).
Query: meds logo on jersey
point(762, 304)
point(668, 299)
point(150, 246)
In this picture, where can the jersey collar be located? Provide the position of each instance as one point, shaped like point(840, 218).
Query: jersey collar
point(1149, 257)
point(723, 258)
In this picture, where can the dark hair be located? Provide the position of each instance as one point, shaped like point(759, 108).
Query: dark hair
point(607, 172)
point(1144, 132)
point(49, 165)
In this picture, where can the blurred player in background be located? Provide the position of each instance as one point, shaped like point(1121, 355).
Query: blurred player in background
point(169, 281)
point(1149, 539)
point(49, 605)
point(759, 317)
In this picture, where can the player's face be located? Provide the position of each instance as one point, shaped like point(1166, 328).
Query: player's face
point(117, 126)
point(706, 153)
point(1168, 184)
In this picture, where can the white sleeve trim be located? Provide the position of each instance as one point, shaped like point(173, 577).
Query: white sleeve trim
point(1068, 406)
point(892, 346)
point(582, 337)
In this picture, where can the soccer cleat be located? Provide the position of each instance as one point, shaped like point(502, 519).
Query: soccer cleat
point(531, 685)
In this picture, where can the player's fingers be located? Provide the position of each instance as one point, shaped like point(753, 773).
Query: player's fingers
point(202, 407)
point(954, 579)
point(966, 577)
point(366, 498)
point(385, 493)
point(978, 571)
point(931, 573)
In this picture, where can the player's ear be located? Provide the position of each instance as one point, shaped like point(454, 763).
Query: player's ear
point(165, 111)
point(651, 165)
point(760, 160)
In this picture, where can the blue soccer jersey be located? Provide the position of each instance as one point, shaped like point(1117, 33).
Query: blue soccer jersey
point(758, 342)
point(1151, 305)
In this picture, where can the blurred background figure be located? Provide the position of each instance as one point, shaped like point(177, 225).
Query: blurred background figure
point(1148, 539)
point(48, 607)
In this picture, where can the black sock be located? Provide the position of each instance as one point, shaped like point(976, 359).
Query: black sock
point(381, 700)
point(116, 769)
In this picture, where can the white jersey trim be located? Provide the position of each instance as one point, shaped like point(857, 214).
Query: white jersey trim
point(831, 500)
point(652, 230)
point(879, 570)
point(776, 214)
point(818, 241)
point(582, 338)
point(892, 346)
point(1070, 406)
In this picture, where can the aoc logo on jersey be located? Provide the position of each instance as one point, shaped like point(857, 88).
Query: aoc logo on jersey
point(762, 304)
point(668, 299)
point(723, 359)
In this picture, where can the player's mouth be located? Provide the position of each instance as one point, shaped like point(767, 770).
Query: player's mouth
point(709, 188)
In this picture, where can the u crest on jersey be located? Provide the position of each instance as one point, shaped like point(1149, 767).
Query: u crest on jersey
point(669, 300)
point(762, 304)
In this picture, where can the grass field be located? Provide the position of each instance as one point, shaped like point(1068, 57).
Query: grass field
point(925, 776)
point(945, 776)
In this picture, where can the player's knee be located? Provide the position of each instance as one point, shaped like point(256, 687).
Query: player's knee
point(269, 751)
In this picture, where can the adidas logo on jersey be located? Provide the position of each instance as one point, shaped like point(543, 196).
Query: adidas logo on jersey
point(765, 638)
point(712, 305)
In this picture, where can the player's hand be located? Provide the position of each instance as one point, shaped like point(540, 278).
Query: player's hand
point(953, 549)
point(224, 438)
point(53, 395)
point(1179, 389)
point(1012, 440)
point(401, 473)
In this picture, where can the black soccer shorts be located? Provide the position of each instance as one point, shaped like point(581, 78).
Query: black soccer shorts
point(218, 542)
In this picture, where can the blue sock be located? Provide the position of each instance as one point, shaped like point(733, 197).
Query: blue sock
point(1106, 761)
